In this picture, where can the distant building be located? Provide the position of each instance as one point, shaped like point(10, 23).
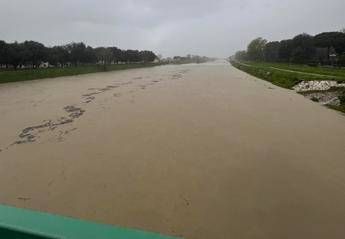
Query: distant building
point(44, 65)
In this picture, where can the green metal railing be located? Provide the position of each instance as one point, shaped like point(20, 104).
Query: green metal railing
point(18, 223)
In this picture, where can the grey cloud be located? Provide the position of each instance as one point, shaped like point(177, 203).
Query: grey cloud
point(206, 27)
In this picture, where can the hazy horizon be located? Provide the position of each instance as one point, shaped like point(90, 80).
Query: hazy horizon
point(212, 28)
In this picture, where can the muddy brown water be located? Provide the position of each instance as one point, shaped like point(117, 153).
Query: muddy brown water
point(199, 151)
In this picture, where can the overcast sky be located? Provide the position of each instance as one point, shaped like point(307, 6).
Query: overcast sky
point(168, 27)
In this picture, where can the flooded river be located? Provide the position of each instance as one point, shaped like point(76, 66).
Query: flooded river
point(199, 151)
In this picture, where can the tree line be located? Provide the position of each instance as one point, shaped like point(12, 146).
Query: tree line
point(327, 48)
point(31, 54)
point(190, 59)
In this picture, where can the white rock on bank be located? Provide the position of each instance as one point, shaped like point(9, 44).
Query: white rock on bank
point(316, 85)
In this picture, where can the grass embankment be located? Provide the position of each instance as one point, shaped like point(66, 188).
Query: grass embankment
point(327, 71)
point(33, 74)
point(286, 75)
point(340, 108)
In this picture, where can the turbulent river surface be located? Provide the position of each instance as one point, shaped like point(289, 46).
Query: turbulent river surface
point(199, 151)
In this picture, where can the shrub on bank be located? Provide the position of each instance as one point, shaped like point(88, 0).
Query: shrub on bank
point(342, 98)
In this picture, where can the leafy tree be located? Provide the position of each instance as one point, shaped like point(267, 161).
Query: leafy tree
point(33, 53)
point(304, 49)
point(147, 56)
point(256, 48)
point(15, 54)
point(241, 55)
point(58, 56)
point(89, 55)
point(331, 39)
point(132, 56)
point(116, 54)
point(285, 50)
point(77, 52)
point(341, 60)
point(104, 55)
point(271, 51)
point(3, 53)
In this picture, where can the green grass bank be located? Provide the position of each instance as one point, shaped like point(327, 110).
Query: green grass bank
point(34, 74)
point(288, 75)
